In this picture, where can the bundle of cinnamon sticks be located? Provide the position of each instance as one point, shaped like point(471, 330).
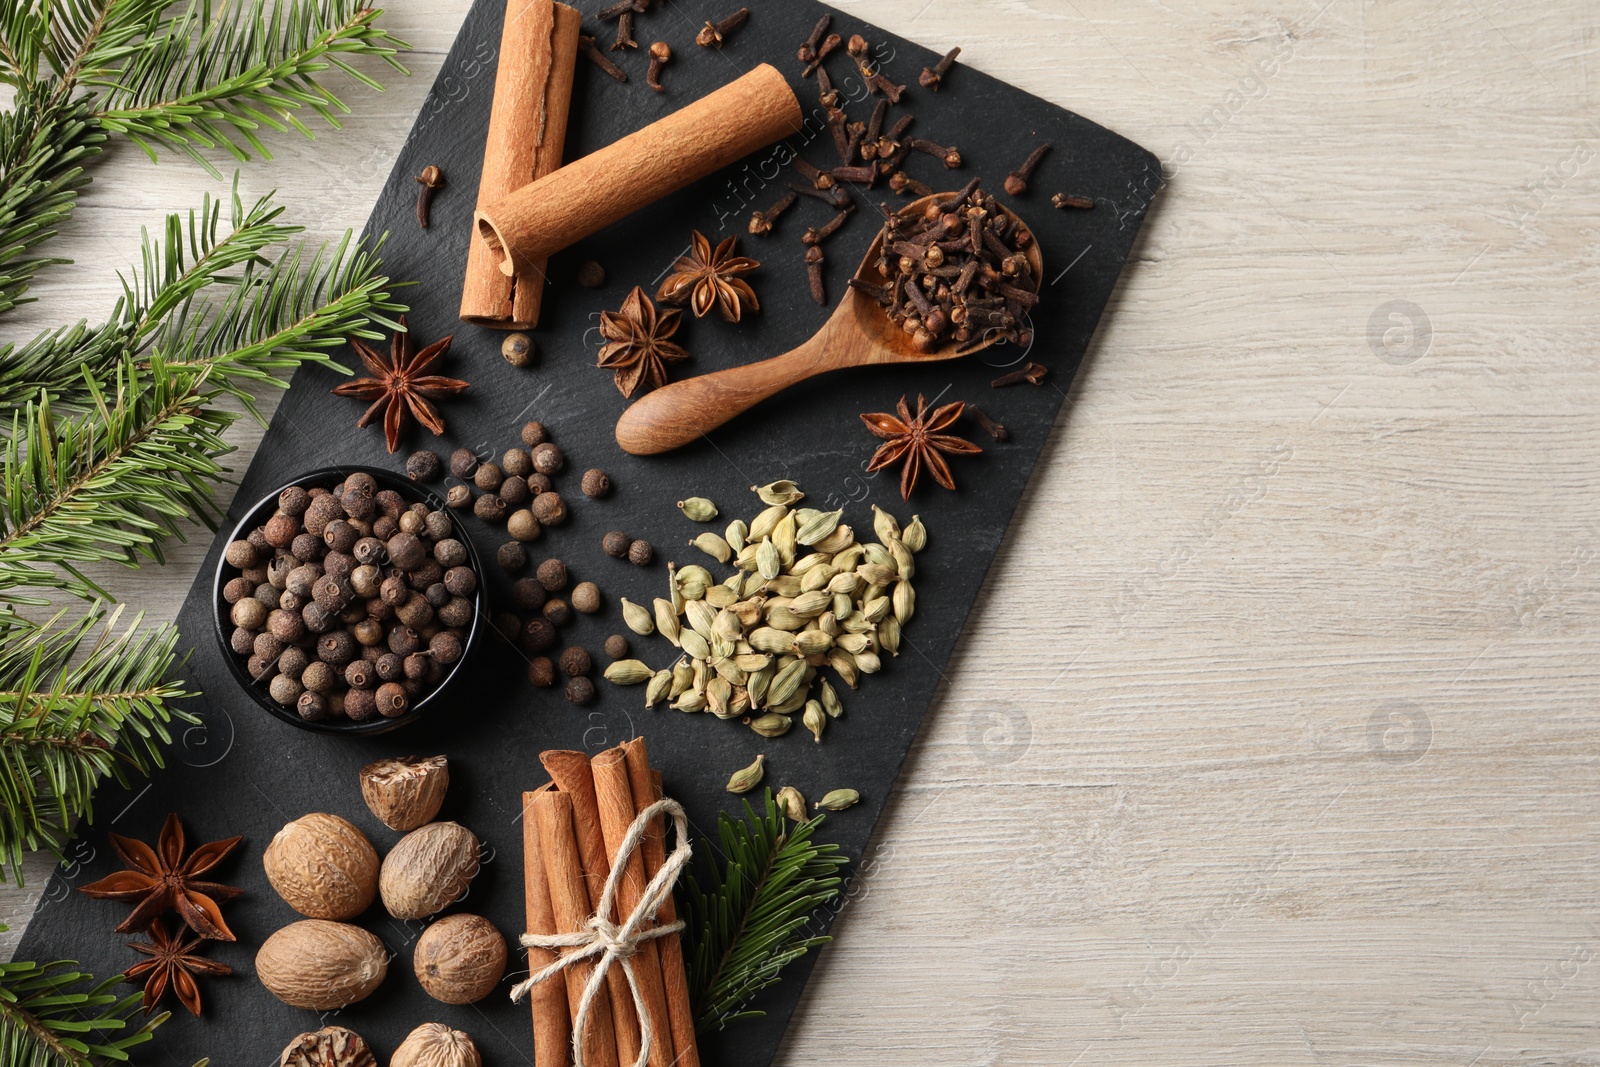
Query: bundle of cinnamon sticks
point(573, 828)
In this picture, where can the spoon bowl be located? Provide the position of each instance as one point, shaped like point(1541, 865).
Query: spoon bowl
point(859, 333)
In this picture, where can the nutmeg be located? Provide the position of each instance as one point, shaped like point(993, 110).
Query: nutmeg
point(428, 870)
point(405, 793)
point(436, 1045)
point(323, 867)
point(460, 958)
point(332, 1046)
point(321, 965)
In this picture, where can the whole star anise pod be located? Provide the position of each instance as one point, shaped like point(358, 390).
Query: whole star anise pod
point(636, 343)
point(707, 278)
point(160, 878)
point(173, 965)
point(398, 385)
point(916, 441)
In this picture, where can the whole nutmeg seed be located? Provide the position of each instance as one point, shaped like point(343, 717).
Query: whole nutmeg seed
point(428, 870)
point(459, 959)
point(323, 867)
point(596, 483)
point(517, 349)
point(436, 1045)
point(332, 1046)
point(407, 792)
point(320, 965)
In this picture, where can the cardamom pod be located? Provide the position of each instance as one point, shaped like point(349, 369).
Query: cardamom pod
point(916, 536)
point(768, 560)
point(748, 612)
point(805, 564)
point(779, 617)
point(884, 524)
point(812, 643)
point(794, 703)
point(628, 672)
point(695, 645)
point(843, 603)
point(905, 602)
point(682, 678)
point(746, 558)
point(770, 725)
point(783, 536)
point(747, 778)
point(792, 803)
point(750, 662)
point(718, 693)
point(879, 555)
point(714, 546)
point(691, 701)
point(841, 538)
point(815, 719)
point(784, 585)
point(889, 635)
point(660, 685)
point(694, 573)
point(786, 682)
point(762, 525)
point(701, 617)
point(637, 618)
point(853, 643)
point(721, 596)
point(839, 799)
point(850, 558)
point(857, 623)
point(877, 573)
point(739, 706)
point(902, 558)
point(830, 700)
point(759, 682)
point(666, 620)
point(817, 578)
point(730, 670)
point(844, 665)
point(674, 593)
point(782, 491)
point(818, 528)
point(698, 509)
point(868, 662)
point(846, 582)
point(736, 534)
point(810, 605)
point(771, 639)
point(828, 623)
point(726, 626)
point(876, 609)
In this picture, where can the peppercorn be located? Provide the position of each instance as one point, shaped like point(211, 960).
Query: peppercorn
point(586, 597)
point(392, 702)
point(281, 530)
point(517, 349)
point(616, 544)
point(534, 433)
point(458, 496)
point(294, 501)
point(514, 490)
point(313, 707)
point(575, 662)
point(512, 556)
point(541, 672)
point(640, 553)
point(550, 509)
point(552, 574)
point(458, 581)
point(240, 554)
point(463, 463)
point(538, 635)
point(424, 465)
point(596, 483)
point(450, 553)
point(548, 459)
point(446, 647)
point(580, 691)
point(558, 611)
point(489, 508)
point(617, 646)
point(523, 526)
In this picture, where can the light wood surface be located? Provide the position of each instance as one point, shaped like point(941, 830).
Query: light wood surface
point(1275, 739)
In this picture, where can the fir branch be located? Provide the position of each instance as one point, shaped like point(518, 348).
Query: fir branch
point(209, 82)
point(52, 1015)
point(78, 702)
point(750, 924)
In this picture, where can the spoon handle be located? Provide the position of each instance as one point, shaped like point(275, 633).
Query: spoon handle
point(676, 414)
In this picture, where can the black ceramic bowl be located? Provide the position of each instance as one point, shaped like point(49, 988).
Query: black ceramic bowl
point(327, 478)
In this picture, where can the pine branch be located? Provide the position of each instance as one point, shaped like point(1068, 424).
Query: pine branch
point(749, 926)
point(79, 702)
point(209, 82)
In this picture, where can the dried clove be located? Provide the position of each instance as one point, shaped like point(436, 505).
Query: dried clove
point(624, 33)
point(816, 235)
point(622, 7)
point(901, 182)
point(819, 178)
point(1081, 203)
point(950, 156)
point(837, 124)
point(869, 143)
point(829, 46)
point(430, 179)
point(837, 197)
point(1033, 374)
point(932, 76)
point(660, 55)
point(808, 50)
point(714, 33)
point(761, 221)
point(994, 429)
point(591, 51)
point(864, 175)
point(1017, 180)
point(829, 96)
point(814, 260)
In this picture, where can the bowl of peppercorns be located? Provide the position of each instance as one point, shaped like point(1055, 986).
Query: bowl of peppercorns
point(348, 600)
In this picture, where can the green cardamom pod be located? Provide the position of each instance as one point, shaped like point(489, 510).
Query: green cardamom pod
point(868, 662)
point(779, 617)
point(628, 672)
point(879, 555)
point(850, 558)
point(762, 525)
point(902, 558)
point(830, 700)
point(784, 585)
point(805, 564)
point(875, 610)
point(714, 546)
point(747, 778)
point(783, 536)
point(812, 642)
point(846, 582)
point(718, 694)
point(759, 682)
point(780, 492)
point(854, 643)
point(793, 704)
point(792, 803)
point(746, 558)
point(916, 536)
point(884, 524)
point(841, 538)
point(843, 604)
point(691, 701)
point(844, 665)
point(720, 596)
point(660, 685)
point(837, 800)
point(701, 616)
point(889, 635)
point(905, 602)
point(818, 528)
point(694, 644)
point(877, 573)
point(771, 639)
point(787, 681)
point(698, 509)
point(816, 578)
point(828, 623)
point(726, 626)
point(730, 670)
point(739, 706)
point(768, 560)
point(674, 593)
point(637, 618)
point(666, 619)
point(751, 662)
point(810, 605)
point(736, 534)
point(815, 719)
point(682, 678)
point(770, 725)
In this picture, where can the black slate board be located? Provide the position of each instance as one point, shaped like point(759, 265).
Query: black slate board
point(244, 773)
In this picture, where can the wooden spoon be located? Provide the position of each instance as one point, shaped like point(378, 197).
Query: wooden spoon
point(858, 334)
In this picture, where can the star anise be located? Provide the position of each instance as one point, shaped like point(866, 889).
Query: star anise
point(160, 878)
point(707, 278)
point(398, 385)
point(636, 343)
point(173, 965)
point(916, 441)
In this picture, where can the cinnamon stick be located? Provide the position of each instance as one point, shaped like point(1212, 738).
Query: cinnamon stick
point(617, 815)
point(552, 1028)
point(591, 193)
point(569, 898)
point(645, 785)
point(575, 778)
point(527, 135)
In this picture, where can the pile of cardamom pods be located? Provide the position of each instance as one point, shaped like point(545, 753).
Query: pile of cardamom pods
point(805, 595)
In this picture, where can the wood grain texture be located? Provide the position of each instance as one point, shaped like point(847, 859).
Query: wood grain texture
point(1275, 739)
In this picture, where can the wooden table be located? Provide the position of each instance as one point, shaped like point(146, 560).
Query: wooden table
point(1274, 741)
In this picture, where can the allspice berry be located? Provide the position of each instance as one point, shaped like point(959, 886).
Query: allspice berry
point(580, 691)
point(548, 459)
point(460, 959)
point(538, 635)
point(458, 496)
point(575, 662)
point(550, 509)
point(640, 553)
point(489, 508)
point(616, 544)
point(534, 433)
point(541, 672)
point(586, 597)
point(617, 646)
point(591, 275)
point(523, 525)
point(424, 465)
point(528, 593)
point(517, 349)
point(241, 554)
point(463, 463)
point(516, 462)
point(552, 574)
point(596, 483)
point(512, 556)
point(488, 477)
point(558, 611)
